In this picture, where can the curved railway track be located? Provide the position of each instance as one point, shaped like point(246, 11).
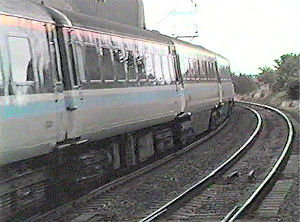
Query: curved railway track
point(184, 205)
point(240, 211)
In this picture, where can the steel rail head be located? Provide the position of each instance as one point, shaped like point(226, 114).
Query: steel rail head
point(242, 209)
point(164, 209)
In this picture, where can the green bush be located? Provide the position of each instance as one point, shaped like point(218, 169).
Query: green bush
point(243, 84)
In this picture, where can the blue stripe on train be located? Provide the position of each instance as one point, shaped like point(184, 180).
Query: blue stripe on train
point(40, 108)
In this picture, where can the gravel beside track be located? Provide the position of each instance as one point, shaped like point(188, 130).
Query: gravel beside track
point(137, 198)
point(289, 208)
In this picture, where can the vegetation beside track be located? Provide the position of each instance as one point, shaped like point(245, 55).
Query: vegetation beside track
point(276, 86)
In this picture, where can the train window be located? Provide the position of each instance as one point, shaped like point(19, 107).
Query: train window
point(1, 72)
point(130, 66)
point(158, 69)
point(119, 68)
point(166, 71)
point(172, 68)
point(209, 70)
point(200, 70)
point(1, 78)
point(44, 73)
point(214, 70)
point(196, 69)
point(185, 67)
point(190, 73)
point(149, 66)
point(106, 65)
point(206, 69)
point(20, 59)
point(80, 62)
point(92, 63)
point(140, 62)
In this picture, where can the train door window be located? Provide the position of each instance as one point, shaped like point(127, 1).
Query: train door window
point(92, 63)
point(158, 70)
point(21, 65)
point(119, 60)
point(140, 62)
point(21, 59)
point(130, 66)
point(166, 71)
point(80, 63)
point(106, 65)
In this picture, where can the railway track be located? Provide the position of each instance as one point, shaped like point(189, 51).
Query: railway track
point(94, 204)
point(109, 186)
point(207, 199)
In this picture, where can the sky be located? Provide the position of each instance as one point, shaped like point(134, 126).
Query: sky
point(250, 33)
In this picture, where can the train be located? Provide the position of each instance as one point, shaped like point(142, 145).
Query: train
point(68, 79)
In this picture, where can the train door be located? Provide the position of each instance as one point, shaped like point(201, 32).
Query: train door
point(57, 83)
point(179, 82)
point(219, 82)
point(72, 87)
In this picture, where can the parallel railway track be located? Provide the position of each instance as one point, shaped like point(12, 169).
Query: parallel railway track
point(187, 204)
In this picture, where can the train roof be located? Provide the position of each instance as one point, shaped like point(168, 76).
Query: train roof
point(193, 46)
point(74, 19)
point(25, 9)
point(199, 47)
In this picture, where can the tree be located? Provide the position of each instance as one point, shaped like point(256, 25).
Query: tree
point(285, 76)
point(243, 84)
point(266, 75)
point(287, 69)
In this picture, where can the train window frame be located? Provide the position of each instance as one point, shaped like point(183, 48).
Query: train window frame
point(21, 83)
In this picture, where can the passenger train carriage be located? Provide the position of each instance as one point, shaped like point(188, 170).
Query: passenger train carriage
point(67, 79)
